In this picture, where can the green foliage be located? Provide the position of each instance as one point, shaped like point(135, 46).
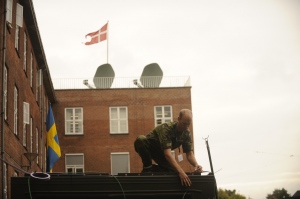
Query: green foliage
point(228, 194)
point(278, 194)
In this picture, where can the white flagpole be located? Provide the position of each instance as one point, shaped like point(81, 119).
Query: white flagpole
point(107, 41)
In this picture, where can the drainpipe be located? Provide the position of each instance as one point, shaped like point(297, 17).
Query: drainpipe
point(3, 103)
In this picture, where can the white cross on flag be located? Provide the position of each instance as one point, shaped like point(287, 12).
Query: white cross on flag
point(98, 36)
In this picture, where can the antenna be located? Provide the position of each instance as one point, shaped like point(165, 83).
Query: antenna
point(86, 82)
point(104, 76)
point(151, 76)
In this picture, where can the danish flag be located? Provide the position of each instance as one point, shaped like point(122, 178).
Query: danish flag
point(98, 36)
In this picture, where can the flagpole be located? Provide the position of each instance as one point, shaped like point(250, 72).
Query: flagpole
point(107, 42)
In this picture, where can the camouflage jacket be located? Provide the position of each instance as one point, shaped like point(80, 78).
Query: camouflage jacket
point(166, 136)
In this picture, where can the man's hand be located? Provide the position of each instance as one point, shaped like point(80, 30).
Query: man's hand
point(198, 168)
point(185, 180)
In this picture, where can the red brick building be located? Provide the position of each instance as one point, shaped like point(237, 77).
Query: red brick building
point(26, 89)
point(108, 121)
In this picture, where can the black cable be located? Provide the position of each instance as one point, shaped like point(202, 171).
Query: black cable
point(120, 186)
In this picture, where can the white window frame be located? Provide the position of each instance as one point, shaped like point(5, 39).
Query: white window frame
point(17, 37)
point(9, 11)
point(118, 120)
point(5, 92)
point(31, 69)
point(26, 120)
point(37, 144)
point(16, 111)
point(19, 15)
point(161, 116)
point(73, 121)
point(37, 86)
point(74, 167)
point(24, 135)
point(31, 137)
point(5, 181)
point(25, 53)
point(19, 24)
point(115, 171)
point(26, 113)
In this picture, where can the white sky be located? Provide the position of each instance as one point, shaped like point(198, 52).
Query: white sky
point(243, 57)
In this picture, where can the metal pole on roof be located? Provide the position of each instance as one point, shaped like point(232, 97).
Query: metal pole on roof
point(211, 166)
point(107, 30)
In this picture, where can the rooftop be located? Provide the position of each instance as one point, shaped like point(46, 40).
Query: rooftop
point(120, 82)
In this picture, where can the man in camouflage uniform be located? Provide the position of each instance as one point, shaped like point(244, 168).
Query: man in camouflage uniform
point(157, 145)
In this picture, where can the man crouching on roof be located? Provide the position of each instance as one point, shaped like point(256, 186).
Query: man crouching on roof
point(157, 145)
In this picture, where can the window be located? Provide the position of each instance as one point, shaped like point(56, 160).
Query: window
point(120, 163)
point(9, 7)
point(19, 17)
point(17, 37)
point(24, 135)
point(5, 92)
point(19, 24)
point(31, 72)
point(73, 121)
point(16, 111)
point(31, 138)
point(162, 114)
point(26, 120)
point(37, 144)
point(74, 163)
point(38, 84)
point(118, 120)
point(5, 181)
point(25, 52)
point(26, 109)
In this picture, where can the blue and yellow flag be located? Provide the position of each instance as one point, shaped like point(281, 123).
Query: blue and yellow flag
point(53, 148)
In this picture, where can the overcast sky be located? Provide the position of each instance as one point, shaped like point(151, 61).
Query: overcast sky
point(243, 57)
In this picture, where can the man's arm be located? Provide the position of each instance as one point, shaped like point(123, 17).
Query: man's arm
point(192, 160)
point(185, 181)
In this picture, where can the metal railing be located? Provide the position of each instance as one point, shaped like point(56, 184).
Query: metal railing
point(120, 82)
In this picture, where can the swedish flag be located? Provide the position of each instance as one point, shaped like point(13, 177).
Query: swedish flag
point(53, 148)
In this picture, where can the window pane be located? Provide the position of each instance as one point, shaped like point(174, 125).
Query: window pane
point(167, 111)
point(78, 127)
point(123, 113)
point(69, 170)
point(69, 127)
point(69, 113)
point(163, 114)
point(158, 121)
point(78, 114)
point(120, 163)
point(114, 126)
point(123, 126)
point(74, 160)
point(114, 113)
point(158, 111)
point(79, 170)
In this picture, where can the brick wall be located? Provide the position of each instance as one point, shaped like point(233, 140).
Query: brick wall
point(97, 143)
point(20, 78)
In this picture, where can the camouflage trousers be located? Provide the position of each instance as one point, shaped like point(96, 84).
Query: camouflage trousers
point(149, 151)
